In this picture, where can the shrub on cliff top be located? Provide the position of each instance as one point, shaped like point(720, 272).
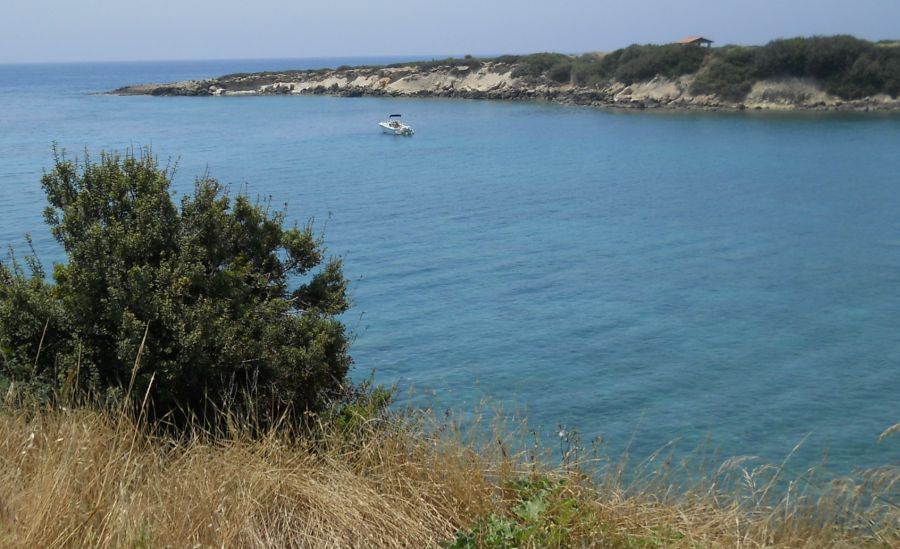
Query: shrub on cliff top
point(846, 66)
point(469, 61)
point(589, 70)
point(636, 63)
point(536, 64)
point(728, 75)
point(217, 298)
point(561, 72)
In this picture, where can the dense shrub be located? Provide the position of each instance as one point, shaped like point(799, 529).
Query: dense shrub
point(507, 59)
point(32, 324)
point(471, 62)
point(728, 75)
point(728, 81)
point(537, 64)
point(848, 67)
point(636, 63)
point(590, 70)
point(561, 72)
point(216, 296)
point(818, 57)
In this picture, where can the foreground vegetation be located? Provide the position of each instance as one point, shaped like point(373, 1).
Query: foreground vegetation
point(92, 476)
point(215, 295)
point(183, 384)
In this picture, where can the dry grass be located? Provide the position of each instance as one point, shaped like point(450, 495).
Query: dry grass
point(86, 477)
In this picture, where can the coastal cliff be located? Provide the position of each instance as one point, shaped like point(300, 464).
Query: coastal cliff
point(849, 76)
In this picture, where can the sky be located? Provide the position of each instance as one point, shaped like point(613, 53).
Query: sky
point(120, 30)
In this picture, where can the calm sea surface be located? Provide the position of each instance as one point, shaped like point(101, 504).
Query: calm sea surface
point(640, 276)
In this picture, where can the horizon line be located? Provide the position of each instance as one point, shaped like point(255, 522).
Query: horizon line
point(412, 56)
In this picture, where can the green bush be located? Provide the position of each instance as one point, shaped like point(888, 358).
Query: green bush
point(817, 57)
point(541, 514)
point(507, 59)
point(848, 67)
point(549, 513)
point(727, 79)
point(219, 300)
point(590, 70)
point(468, 61)
point(537, 64)
point(32, 325)
point(637, 63)
point(561, 72)
point(362, 405)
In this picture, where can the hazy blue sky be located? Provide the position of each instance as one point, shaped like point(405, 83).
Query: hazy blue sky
point(87, 30)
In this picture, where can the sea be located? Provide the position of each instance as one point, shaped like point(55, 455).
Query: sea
point(706, 280)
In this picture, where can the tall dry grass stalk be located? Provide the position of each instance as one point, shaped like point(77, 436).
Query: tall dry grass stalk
point(93, 477)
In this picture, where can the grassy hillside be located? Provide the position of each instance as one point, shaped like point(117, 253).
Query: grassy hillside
point(90, 476)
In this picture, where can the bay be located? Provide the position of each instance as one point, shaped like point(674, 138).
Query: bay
point(642, 277)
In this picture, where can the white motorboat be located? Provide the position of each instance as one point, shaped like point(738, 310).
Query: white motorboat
point(394, 126)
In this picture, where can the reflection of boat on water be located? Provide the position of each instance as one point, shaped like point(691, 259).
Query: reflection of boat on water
point(394, 126)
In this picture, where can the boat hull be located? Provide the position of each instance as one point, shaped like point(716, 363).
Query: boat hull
point(401, 130)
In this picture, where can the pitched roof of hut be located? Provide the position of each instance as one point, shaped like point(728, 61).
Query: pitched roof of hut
point(695, 40)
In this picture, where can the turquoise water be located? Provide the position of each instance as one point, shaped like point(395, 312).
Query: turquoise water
point(640, 276)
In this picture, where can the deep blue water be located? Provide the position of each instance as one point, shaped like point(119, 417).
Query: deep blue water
point(645, 276)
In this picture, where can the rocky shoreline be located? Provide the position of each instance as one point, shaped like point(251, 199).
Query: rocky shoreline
point(496, 81)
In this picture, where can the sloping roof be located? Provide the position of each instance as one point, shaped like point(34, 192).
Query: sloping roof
point(693, 39)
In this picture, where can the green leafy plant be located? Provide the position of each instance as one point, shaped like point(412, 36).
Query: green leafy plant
point(362, 404)
point(541, 514)
point(209, 300)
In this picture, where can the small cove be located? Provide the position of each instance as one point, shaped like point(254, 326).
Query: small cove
point(653, 276)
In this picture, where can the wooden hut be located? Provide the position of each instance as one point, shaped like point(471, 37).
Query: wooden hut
point(695, 41)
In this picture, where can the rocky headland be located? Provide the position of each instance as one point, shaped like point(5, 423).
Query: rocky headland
point(683, 78)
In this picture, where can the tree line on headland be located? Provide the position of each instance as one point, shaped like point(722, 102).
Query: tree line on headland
point(848, 67)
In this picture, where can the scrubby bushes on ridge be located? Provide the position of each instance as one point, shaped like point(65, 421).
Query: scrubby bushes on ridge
point(847, 67)
point(728, 76)
point(537, 64)
point(473, 63)
point(628, 65)
point(636, 63)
